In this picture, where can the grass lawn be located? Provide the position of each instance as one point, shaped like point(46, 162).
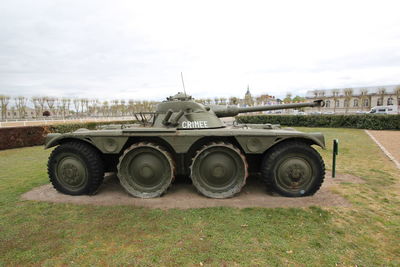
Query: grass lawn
point(365, 234)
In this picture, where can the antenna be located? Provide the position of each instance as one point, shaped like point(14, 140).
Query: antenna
point(183, 83)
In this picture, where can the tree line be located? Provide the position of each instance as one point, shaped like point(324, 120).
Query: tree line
point(71, 107)
point(83, 107)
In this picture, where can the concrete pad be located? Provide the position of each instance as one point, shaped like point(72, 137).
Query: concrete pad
point(184, 196)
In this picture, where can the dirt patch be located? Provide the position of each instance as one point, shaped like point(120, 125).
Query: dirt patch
point(184, 196)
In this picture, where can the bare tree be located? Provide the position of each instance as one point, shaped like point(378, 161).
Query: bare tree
point(105, 108)
point(20, 104)
point(42, 103)
point(4, 101)
point(131, 107)
point(57, 107)
point(94, 103)
point(84, 103)
point(398, 98)
point(77, 103)
point(348, 93)
point(65, 102)
point(51, 104)
point(153, 105)
point(36, 106)
point(114, 107)
point(363, 97)
point(146, 105)
point(381, 92)
point(335, 99)
point(122, 107)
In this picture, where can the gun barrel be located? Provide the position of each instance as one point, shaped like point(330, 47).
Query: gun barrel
point(230, 111)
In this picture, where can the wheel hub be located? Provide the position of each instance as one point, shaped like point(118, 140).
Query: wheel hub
point(71, 172)
point(146, 171)
point(218, 171)
point(294, 172)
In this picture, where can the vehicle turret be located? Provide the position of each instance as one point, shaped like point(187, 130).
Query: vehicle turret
point(182, 112)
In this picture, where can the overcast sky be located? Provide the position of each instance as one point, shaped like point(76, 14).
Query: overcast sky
point(137, 49)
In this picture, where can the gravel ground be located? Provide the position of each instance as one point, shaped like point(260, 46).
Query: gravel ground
point(184, 196)
point(390, 140)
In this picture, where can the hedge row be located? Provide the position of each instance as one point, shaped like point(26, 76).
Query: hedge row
point(13, 137)
point(364, 121)
point(22, 136)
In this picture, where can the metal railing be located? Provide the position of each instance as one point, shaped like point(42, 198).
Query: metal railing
point(50, 121)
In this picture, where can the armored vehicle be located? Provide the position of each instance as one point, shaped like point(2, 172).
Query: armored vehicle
point(189, 139)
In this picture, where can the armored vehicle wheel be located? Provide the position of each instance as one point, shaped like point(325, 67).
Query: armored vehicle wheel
point(75, 168)
point(146, 170)
point(294, 169)
point(219, 170)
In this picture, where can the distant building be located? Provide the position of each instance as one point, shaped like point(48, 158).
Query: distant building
point(261, 100)
point(248, 99)
point(13, 113)
point(351, 100)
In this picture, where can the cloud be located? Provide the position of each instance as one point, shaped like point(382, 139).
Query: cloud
point(137, 49)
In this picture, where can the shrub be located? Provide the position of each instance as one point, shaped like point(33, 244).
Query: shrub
point(14, 137)
point(364, 121)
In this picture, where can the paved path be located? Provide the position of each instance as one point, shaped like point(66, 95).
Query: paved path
point(389, 142)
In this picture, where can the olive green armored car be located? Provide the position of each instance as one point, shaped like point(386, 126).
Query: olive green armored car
point(189, 139)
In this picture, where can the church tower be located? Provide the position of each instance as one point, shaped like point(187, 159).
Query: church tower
point(248, 99)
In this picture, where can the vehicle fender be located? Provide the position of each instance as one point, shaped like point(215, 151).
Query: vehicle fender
point(259, 144)
point(311, 138)
point(106, 144)
point(52, 139)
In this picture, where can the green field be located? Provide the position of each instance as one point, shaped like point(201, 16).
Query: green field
point(365, 234)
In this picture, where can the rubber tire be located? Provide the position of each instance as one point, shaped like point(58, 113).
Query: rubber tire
point(277, 154)
point(135, 192)
point(91, 159)
point(223, 194)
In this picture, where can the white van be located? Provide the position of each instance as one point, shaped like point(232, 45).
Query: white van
point(384, 110)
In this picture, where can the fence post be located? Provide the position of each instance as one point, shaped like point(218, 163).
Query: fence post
point(335, 153)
